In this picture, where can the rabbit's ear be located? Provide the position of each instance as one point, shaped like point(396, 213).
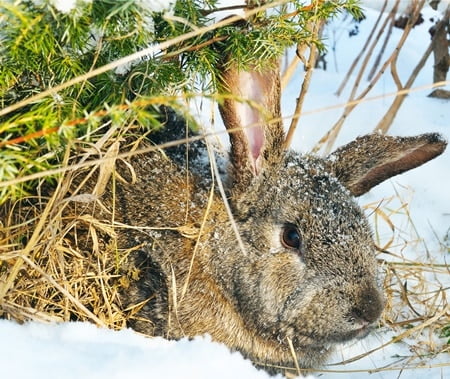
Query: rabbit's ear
point(371, 159)
point(251, 114)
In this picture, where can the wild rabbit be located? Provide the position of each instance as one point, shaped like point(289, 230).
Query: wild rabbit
point(294, 267)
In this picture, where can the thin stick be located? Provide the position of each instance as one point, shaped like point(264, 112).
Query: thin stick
point(398, 338)
point(305, 86)
point(74, 167)
point(225, 202)
point(197, 244)
point(291, 348)
point(330, 137)
point(42, 223)
point(389, 116)
point(386, 40)
point(287, 74)
point(363, 50)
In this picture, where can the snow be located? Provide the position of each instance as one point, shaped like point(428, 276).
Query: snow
point(81, 350)
point(157, 5)
point(63, 6)
point(403, 5)
point(66, 6)
point(418, 114)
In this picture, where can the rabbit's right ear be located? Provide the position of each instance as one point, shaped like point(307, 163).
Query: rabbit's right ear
point(373, 158)
point(251, 114)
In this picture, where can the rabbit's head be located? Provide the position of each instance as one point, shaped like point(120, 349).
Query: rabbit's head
point(307, 271)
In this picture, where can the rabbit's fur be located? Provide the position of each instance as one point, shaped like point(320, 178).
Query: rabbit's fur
point(304, 272)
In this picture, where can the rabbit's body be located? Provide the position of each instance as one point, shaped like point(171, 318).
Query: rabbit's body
point(293, 269)
point(195, 279)
point(253, 300)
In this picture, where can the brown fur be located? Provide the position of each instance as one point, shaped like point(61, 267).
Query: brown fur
point(257, 299)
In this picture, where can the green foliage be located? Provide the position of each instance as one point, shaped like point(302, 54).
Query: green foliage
point(445, 333)
point(42, 47)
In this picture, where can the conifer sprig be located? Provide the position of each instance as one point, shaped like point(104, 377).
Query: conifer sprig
point(42, 47)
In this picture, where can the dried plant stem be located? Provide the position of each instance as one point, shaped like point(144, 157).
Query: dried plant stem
point(391, 17)
point(66, 293)
point(290, 70)
point(330, 137)
point(33, 241)
point(292, 349)
point(148, 149)
point(441, 49)
point(389, 116)
point(309, 69)
point(383, 369)
point(215, 171)
point(398, 338)
point(197, 244)
point(364, 49)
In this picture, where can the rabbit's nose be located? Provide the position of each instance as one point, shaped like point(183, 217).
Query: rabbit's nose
point(369, 306)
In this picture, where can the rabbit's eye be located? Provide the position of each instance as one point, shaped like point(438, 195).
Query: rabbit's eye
point(290, 237)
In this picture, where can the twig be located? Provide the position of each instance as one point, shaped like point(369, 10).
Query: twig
point(363, 50)
point(385, 42)
point(330, 137)
point(398, 338)
point(42, 223)
point(294, 356)
point(389, 116)
point(66, 293)
point(62, 169)
point(305, 85)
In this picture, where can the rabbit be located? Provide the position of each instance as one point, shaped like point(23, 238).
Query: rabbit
point(292, 269)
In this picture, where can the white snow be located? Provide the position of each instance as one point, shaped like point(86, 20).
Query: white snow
point(157, 5)
point(81, 350)
point(403, 5)
point(64, 6)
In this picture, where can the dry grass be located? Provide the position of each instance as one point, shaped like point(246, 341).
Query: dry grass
point(415, 282)
point(413, 274)
point(58, 263)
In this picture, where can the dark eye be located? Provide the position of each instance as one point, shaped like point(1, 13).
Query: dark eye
point(290, 237)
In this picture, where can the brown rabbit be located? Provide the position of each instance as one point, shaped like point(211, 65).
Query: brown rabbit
point(295, 264)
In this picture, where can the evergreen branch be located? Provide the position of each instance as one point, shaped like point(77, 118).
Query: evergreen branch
point(138, 55)
point(165, 100)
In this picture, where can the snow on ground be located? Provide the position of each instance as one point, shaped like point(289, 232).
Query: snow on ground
point(80, 350)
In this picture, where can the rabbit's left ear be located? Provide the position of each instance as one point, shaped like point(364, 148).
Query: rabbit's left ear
point(373, 158)
point(251, 114)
